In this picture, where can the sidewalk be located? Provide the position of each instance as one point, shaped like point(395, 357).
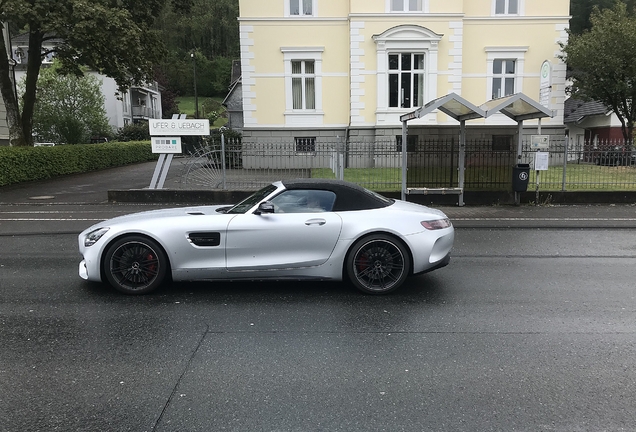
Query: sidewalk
point(90, 188)
point(93, 188)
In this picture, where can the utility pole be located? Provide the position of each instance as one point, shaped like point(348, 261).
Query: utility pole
point(196, 98)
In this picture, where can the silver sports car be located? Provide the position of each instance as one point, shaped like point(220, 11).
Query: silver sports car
point(306, 229)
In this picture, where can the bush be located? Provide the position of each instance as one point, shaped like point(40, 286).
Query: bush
point(20, 164)
point(134, 132)
point(230, 134)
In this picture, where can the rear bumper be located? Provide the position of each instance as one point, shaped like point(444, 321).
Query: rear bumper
point(431, 249)
point(442, 263)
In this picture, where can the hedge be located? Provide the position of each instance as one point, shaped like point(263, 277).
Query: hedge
point(19, 164)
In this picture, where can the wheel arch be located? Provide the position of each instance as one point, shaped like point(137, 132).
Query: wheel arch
point(107, 246)
point(372, 233)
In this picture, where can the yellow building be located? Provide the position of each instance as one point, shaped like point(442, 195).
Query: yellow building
point(334, 68)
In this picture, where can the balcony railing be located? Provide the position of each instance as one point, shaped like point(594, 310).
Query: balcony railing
point(144, 112)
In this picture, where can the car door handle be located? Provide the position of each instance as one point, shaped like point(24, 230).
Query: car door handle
point(316, 221)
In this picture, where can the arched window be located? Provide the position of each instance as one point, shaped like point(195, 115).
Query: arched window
point(407, 68)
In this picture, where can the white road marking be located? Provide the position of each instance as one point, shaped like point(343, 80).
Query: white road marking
point(47, 219)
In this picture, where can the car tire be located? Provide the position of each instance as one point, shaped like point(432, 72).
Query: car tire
point(135, 265)
point(378, 264)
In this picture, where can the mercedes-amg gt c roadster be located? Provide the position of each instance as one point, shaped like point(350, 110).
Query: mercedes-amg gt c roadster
point(305, 229)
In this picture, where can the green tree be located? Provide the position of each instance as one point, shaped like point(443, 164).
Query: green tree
point(169, 104)
point(580, 10)
point(209, 30)
point(69, 108)
point(114, 38)
point(602, 63)
point(208, 26)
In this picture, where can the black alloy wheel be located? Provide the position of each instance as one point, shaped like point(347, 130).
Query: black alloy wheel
point(135, 265)
point(378, 264)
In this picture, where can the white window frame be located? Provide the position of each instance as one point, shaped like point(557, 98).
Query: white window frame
point(295, 117)
point(389, 9)
point(314, 10)
point(503, 76)
point(520, 8)
point(126, 102)
point(303, 76)
point(405, 39)
point(413, 73)
point(507, 53)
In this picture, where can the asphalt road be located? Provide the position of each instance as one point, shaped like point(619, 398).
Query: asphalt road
point(530, 328)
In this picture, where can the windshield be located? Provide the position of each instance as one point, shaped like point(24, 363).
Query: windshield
point(251, 200)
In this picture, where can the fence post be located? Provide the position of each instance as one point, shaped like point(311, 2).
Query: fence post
point(565, 162)
point(341, 156)
point(223, 160)
point(404, 160)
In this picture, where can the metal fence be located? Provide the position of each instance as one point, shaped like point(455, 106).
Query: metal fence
point(235, 164)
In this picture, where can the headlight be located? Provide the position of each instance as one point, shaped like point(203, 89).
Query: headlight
point(93, 236)
point(436, 224)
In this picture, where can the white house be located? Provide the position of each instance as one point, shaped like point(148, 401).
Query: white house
point(138, 103)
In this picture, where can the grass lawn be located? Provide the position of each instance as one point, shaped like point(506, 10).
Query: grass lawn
point(578, 177)
point(378, 179)
point(187, 106)
point(586, 177)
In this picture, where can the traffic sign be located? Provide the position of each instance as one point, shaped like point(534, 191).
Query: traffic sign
point(540, 142)
point(180, 127)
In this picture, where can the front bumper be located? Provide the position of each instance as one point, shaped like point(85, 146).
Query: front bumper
point(83, 272)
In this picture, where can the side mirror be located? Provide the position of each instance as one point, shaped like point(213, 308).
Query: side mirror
point(265, 207)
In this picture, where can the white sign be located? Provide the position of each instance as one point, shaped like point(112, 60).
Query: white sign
point(539, 142)
point(166, 144)
point(165, 127)
point(541, 161)
point(545, 86)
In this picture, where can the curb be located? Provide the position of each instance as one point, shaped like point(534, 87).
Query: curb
point(470, 198)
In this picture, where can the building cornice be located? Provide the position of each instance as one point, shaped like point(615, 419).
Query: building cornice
point(407, 15)
point(518, 18)
point(455, 16)
point(294, 20)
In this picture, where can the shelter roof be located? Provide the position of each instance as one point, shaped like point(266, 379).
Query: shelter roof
point(452, 104)
point(518, 107)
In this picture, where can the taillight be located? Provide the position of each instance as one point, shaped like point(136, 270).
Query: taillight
point(436, 224)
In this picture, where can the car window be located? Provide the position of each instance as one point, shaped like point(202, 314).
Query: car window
point(252, 200)
point(304, 201)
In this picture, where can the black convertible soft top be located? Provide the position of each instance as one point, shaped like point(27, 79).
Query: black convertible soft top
point(349, 196)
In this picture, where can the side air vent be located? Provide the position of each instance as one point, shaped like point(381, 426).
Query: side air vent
point(205, 239)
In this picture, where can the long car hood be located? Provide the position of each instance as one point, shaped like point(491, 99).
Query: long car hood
point(165, 213)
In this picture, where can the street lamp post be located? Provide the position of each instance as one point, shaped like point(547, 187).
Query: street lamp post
point(196, 98)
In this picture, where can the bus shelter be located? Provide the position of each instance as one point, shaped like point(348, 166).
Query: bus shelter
point(461, 110)
point(517, 107)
